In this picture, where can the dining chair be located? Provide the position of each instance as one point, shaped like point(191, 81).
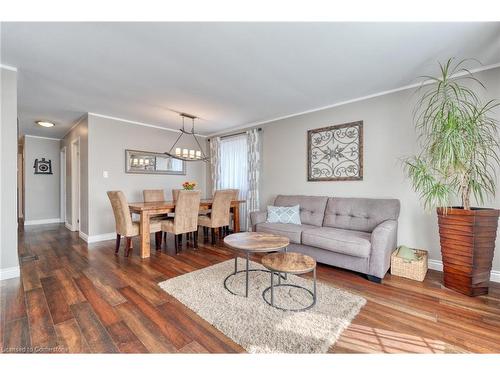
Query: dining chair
point(175, 194)
point(125, 226)
point(153, 195)
point(187, 207)
point(235, 197)
point(219, 217)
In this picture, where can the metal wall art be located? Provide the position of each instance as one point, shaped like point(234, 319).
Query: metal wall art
point(145, 162)
point(43, 166)
point(335, 153)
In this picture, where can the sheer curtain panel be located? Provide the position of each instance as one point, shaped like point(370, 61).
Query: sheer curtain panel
point(234, 168)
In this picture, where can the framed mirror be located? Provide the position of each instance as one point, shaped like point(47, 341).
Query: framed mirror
point(145, 162)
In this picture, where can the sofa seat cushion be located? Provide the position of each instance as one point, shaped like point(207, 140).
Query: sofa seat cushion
point(292, 231)
point(350, 242)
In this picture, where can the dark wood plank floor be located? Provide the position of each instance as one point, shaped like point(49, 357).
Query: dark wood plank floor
point(74, 297)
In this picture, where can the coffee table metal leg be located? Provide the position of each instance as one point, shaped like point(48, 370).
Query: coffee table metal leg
point(314, 285)
point(248, 263)
point(236, 264)
point(272, 288)
point(286, 275)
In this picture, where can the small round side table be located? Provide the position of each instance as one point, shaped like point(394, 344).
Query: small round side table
point(252, 242)
point(293, 263)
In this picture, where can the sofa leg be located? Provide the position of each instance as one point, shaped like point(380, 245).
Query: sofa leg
point(374, 279)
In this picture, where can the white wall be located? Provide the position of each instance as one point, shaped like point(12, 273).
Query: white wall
point(108, 139)
point(79, 131)
point(388, 136)
point(9, 263)
point(42, 191)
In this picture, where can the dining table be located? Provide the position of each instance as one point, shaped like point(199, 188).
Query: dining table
point(146, 210)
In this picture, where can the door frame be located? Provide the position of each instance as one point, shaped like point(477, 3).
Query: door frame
point(75, 185)
point(63, 185)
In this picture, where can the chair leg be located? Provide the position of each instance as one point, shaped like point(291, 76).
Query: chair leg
point(212, 230)
point(158, 236)
point(195, 235)
point(205, 234)
point(221, 233)
point(117, 247)
point(176, 244)
point(129, 246)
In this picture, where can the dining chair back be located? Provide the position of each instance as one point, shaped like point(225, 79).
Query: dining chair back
point(153, 195)
point(121, 211)
point(219, 216)
point(187, 208)
point(175, 194)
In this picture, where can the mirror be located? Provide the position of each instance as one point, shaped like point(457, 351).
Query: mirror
point(152, 163)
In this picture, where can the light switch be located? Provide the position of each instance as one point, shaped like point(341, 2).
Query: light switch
point(105, 174)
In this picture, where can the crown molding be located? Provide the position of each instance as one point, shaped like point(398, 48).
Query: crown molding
point(338, 104)
point(140, 123)
point(8, 67)
point(37, 136)
point(75, 125)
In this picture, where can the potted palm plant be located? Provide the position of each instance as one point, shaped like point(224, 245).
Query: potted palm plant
point(459, 155)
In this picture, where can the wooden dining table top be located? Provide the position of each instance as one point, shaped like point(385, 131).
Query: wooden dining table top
point(150, 206)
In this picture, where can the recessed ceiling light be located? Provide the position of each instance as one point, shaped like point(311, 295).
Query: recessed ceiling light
point(45, 124)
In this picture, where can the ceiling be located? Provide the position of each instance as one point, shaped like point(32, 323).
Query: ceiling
point(228, 74)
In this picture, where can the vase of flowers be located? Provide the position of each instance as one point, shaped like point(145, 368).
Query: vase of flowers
point(189, 185)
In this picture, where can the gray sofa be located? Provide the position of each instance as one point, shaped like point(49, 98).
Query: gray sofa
point(358, 234)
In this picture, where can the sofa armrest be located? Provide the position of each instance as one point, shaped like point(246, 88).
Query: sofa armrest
point(384, 241)
point(257, 217)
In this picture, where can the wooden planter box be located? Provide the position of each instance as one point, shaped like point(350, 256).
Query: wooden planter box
point(467, 246)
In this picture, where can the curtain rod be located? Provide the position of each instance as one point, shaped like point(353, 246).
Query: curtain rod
point(235, 134)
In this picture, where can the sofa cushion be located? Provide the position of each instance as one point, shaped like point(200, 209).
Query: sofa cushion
point(292, 231)
point(284, 215)
point(350, 242)
point(312, 209)
point(362, 214)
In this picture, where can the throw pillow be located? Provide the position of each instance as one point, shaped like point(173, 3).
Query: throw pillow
point(284, 215)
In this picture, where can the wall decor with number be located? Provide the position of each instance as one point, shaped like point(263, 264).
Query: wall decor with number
point(43, 166)
point(335, 153)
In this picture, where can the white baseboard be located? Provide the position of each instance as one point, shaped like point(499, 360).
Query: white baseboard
point(68, 226)
point(43, 221)
point(437, 265)
point(10, 273)
point(98, 237)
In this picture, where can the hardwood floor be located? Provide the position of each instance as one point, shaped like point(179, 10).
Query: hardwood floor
point(74, 297)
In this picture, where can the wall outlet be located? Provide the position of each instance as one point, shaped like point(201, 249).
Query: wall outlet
point(105, 174)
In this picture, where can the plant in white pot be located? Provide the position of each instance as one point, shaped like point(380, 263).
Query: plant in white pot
point(458, 136)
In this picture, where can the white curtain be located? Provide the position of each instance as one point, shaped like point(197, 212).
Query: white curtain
point(253, 161)
point(234, 169)
point(215, 162)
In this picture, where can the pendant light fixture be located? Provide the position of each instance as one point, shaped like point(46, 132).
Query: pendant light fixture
point(184, 153)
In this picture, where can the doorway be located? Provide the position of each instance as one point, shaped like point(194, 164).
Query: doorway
point(75, 185)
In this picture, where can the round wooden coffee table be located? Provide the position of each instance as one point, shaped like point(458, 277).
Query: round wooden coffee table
point(294, 263)
point(252, 242)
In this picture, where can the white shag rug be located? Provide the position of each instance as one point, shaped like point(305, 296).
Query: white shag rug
point(256, 326)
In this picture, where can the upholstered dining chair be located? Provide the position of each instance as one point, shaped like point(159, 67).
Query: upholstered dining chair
point(235, 197)
point(175, 194)
point(187, 207)
point(125, 226)
point(219, 217)
point(153, 195)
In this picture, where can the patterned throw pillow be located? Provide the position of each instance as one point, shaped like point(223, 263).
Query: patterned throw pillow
point(284, 215)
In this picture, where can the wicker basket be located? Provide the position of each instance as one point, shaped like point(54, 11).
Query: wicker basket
point(414, 269)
